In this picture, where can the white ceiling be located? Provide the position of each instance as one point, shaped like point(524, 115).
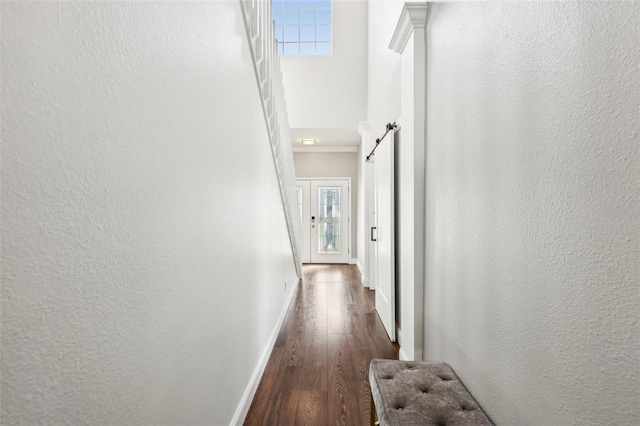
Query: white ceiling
point(334, 139)
point(327, 95)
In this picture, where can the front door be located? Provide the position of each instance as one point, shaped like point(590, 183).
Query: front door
point(326, 221)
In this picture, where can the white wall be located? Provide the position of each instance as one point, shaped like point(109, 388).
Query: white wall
point(331, 91)
point(333, 164)
point(139, 286)
point(533, 170)
point(383, 93)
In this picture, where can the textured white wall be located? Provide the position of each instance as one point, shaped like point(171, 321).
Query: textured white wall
point(333, 164)
point(144, 246)
point(331, 91)
point(533, 211)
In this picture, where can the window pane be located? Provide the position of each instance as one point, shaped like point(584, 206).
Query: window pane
point(323, 48)
point(323, 17)
point(323, 33)
point(307, 16)
point(279, 48)
point(277, 17)
point(303, 21)
point(290, 34)
point(307, 33)
point(279, 33)
point(291, 17)
point(291, 49)
point(307, 48)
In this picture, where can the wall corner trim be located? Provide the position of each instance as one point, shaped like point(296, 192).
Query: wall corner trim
point(413, 15)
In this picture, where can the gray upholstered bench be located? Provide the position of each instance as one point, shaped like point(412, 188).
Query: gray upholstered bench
point(412, 393)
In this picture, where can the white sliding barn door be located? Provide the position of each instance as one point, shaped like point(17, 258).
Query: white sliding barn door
point(385, 235)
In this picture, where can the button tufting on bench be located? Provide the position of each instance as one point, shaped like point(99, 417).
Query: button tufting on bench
point(395, 386)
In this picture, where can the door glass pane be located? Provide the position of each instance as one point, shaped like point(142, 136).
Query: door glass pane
point(328, 223)
point(299, 196)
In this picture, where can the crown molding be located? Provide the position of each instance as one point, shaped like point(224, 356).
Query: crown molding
point(413, 15)
point(324, 149)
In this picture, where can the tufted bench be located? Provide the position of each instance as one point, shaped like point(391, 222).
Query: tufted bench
point(412, 393)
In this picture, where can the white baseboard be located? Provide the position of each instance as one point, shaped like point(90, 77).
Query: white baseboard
point(353, 261)
point(363, 279)
point(402, 355)
point(245, 403)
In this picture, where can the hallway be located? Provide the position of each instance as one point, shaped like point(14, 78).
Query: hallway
point(318, 371)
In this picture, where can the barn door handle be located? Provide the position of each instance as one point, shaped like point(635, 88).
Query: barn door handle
point(372, 237)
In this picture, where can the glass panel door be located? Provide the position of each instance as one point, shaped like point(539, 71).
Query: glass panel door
point(328, 223)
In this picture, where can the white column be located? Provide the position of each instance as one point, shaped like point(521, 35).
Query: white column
point(409, 40)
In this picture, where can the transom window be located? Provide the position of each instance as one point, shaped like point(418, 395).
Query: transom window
point(303, 27)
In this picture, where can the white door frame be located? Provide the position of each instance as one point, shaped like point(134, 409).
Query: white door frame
point(385, 225)
point(306, 225)
point(370, 204)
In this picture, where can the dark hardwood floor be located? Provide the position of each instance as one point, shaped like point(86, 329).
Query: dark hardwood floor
point(318, 371)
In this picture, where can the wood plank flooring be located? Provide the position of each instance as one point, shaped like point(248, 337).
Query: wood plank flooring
point(318, 371)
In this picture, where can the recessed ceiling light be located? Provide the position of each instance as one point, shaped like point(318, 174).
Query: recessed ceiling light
point(308, 141)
